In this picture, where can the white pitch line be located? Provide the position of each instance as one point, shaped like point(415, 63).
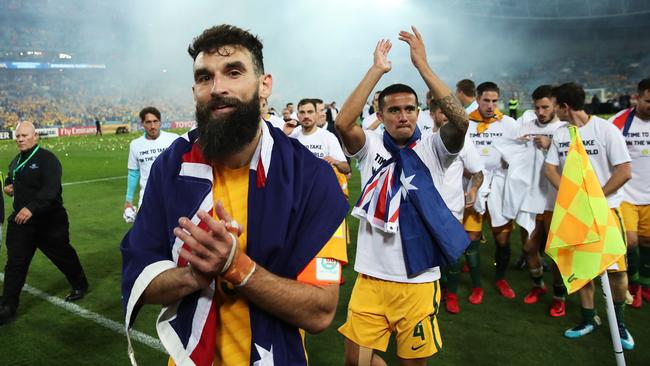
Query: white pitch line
point(93, 180)
point(92, 316)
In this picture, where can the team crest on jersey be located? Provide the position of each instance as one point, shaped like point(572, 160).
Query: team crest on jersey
point(33, 166)
point(328, 269)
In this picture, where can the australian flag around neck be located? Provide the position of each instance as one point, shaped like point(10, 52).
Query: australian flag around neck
point(295, 204)
point(401, 198)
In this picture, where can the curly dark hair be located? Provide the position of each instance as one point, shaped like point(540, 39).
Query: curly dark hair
point(213, 39)
point(147, 110)
point(543, 91)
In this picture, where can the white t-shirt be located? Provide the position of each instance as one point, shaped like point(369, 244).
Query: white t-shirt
point(379, 254)
point(470, 108)
point(533, 128)
point(425, 122)
point(452, 191)
point(528, 116)
point(637, 189)
point(366, 111)
point(365, 124)
point(506, 127)
point(605, 146)
point(143, 152)
point(321, 143)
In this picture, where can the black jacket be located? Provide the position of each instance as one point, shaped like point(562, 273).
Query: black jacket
point(37, 182)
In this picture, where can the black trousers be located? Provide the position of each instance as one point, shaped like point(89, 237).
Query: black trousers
point(50, 235)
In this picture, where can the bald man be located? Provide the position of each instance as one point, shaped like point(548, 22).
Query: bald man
point(38, 220)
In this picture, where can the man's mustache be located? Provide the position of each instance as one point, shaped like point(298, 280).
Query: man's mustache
point(219, 101)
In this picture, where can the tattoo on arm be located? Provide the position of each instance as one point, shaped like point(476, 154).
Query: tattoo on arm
point(477, 180)
point(454, 111)
point(453, 133)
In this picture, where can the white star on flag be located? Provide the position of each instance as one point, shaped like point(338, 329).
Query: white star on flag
point(406, 184)
point(266, 357)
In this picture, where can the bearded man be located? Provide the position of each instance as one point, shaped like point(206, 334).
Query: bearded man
point(235, 294)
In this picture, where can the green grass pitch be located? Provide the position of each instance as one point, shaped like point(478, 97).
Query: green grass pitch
point(498, 332)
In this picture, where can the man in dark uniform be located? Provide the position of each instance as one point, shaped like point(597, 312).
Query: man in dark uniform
point(39, 220)
point(98, 127)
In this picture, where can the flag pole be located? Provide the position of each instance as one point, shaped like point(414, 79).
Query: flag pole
point(611, 319)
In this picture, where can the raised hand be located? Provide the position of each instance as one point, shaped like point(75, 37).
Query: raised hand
point(416, 44)
point(381, 61)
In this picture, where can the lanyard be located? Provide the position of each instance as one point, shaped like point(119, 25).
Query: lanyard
point(20, 165)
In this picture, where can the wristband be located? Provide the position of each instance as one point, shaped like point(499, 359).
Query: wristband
point(240, 270)
point(248, 276)
point(239, 267)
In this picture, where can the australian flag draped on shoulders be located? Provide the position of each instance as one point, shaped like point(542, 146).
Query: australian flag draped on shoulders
point(400, 198)
point(295, 205)
point(624, 120)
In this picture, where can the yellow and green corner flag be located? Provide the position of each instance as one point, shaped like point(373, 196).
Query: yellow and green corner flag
point(584, 239)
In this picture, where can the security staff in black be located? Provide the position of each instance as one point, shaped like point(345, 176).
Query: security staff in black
point(38, 220)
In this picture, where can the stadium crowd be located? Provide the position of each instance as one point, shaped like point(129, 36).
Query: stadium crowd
point(53, 98)
point(68, 98)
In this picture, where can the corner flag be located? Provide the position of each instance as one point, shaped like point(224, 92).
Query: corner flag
point(584, 239)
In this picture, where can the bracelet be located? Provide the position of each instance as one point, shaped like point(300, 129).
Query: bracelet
point(241, 269)
point(233, 249)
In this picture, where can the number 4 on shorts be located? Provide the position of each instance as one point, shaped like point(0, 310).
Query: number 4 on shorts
point(418, 331)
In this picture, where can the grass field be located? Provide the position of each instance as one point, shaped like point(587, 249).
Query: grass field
point(498, 332)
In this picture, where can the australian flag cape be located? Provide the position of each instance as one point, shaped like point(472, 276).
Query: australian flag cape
point(400, 198)
point(624, 120)
point(295, 205)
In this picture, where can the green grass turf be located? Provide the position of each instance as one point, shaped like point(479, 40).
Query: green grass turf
point(498, 332)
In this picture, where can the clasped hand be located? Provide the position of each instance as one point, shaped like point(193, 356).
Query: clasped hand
point(210, 248)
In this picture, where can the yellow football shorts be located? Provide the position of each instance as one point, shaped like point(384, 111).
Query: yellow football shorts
point(378, 308)
point(636, 218)
point(473, 221)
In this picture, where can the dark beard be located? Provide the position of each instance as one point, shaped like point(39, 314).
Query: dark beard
point(223, 136)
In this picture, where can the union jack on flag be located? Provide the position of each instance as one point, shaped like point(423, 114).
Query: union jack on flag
point(400, 197)
point(381, 199)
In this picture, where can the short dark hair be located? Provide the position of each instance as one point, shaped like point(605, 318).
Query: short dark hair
point(147, 110)
point(570, 93)
point(486, 87)
point(433, 105)
point(467, 86)
point(394, 89)
point(543, 91)
point(213, 39)
point(317, 101)
point(643, 85)
point(288, 104)
point(307, 101)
